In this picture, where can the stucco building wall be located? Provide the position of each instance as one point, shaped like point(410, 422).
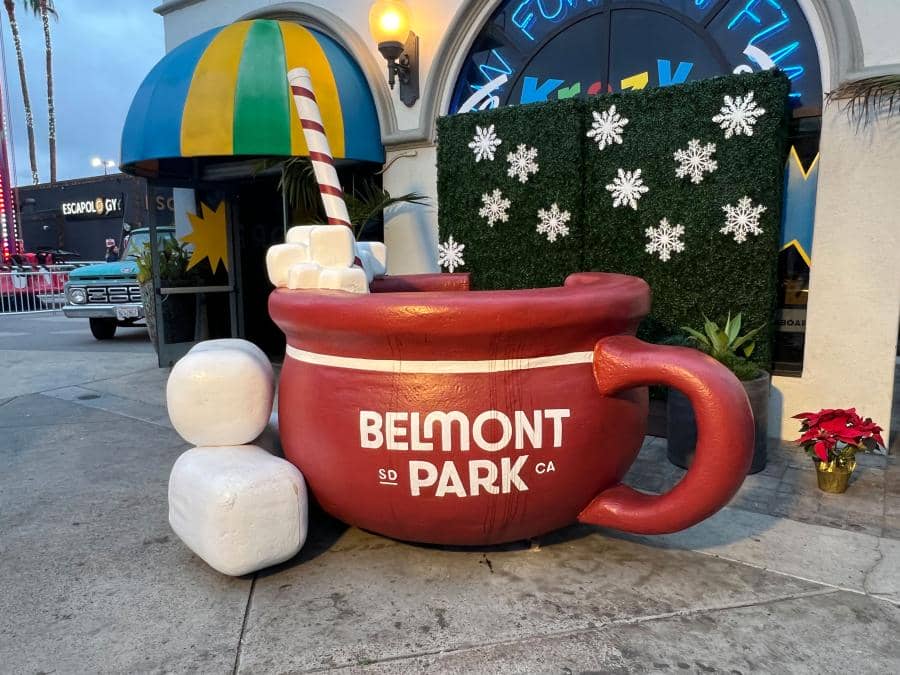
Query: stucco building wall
point(852, 315)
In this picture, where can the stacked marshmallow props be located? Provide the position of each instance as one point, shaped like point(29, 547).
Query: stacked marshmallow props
point(327, 257)
point(235, 505)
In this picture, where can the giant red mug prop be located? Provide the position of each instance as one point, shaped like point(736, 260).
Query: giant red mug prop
point(430, 413)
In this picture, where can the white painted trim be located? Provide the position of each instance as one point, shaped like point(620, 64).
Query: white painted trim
point(439, 367)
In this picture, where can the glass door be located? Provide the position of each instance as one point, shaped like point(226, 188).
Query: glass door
point(194, 279)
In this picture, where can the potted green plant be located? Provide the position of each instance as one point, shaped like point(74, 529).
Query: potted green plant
point(731, 349)
point(832, 437)
point(178, 310)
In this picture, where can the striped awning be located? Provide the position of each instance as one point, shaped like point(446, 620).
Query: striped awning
point(224, 94)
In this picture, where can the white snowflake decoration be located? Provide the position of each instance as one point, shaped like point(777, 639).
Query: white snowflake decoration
point(484, 143)
point(606, 128)
point(553, 222)
point(695, 160)
point(664, 239)
point(495, 207)
point(450, 254)
point(627, 188)
point(742, 219)
point(522, 162)
point(738, 115)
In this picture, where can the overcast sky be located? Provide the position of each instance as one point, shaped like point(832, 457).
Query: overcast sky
point(102, 50)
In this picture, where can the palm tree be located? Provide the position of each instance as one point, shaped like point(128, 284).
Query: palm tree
point(26, 100)
point(46, 9)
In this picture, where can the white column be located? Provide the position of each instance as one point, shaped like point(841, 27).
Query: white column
point(854, 295)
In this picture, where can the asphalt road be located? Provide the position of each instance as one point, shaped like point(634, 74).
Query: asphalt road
point(55, 332)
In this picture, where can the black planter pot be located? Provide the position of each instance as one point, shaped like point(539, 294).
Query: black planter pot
point(682, 428)
point(179, 312)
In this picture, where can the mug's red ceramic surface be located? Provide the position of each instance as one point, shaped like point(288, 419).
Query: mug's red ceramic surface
point(430, 413)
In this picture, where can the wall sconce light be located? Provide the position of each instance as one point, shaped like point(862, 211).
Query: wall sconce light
point(389, 24)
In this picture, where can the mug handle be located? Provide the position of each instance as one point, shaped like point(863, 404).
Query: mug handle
point(725, 435)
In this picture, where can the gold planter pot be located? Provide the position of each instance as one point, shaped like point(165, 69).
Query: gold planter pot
point(833, 477)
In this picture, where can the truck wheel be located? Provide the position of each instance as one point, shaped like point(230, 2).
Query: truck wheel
point(103, 329)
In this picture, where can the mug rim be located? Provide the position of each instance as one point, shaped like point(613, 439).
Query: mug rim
point(470, 324)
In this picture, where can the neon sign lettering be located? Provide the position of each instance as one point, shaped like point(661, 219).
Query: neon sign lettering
point(752, 11)
point(524, 18)
point(667, 78)
point(754, 34)
point(490, 72)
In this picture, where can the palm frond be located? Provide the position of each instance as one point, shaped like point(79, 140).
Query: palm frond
point(869, 98)
point(366, 201)
point(298, 183)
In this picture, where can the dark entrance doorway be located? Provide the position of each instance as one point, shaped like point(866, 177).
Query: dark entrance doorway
point(259, 217)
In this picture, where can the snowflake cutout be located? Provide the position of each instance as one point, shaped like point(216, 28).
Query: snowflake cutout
point(627, 188)
point(695, 160)
point(664, 239)
point(521, 162)
point(742, 219)
point(495, 206)
point(553, 222)
point(450, 254)
point(738, 115)
point(484, 143)
point(606, 128)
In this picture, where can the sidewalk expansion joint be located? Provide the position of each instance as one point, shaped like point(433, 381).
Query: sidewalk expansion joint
point(247, 607)
point(98, 404)
point(592, 628)
point(819, 582)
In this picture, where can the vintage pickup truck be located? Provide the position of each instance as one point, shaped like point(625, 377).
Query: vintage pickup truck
point(108, 294)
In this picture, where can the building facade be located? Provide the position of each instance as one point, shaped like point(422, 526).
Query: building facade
point(841, 233)
point(79, 215)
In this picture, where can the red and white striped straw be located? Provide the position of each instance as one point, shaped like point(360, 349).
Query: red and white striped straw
point(319, 152)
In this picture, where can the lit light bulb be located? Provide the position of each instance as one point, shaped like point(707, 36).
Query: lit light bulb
point(389, 21)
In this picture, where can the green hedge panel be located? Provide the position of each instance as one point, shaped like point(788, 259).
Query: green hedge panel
point(713, 275)
point(513, 254)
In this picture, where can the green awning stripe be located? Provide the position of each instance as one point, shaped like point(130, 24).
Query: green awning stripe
point(262, 110)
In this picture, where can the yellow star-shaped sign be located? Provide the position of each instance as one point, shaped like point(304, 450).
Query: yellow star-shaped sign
point(209, 237)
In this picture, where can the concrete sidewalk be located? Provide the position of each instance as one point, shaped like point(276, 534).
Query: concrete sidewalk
point(93, 580)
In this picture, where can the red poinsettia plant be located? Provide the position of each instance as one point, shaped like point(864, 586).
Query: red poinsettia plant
point(836, 435)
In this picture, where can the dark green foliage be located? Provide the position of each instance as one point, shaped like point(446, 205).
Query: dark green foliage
point(714, 274)
point(513, 254)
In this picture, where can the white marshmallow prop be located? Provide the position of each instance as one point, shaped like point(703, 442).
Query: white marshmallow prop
point(351, 279)
point(332, 246)
point(364, 258)
point(220, 396)
point(235, 343)
point(376, 252)
point(281, 257)
point(304, 275)
point(299, 234)
point(239, 508)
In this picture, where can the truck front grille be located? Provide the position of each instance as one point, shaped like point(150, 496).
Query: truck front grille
point(113, 295)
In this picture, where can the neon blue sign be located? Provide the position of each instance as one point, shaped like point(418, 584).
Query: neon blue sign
point(752, 12)
point(552, 10)
point(517, 63)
